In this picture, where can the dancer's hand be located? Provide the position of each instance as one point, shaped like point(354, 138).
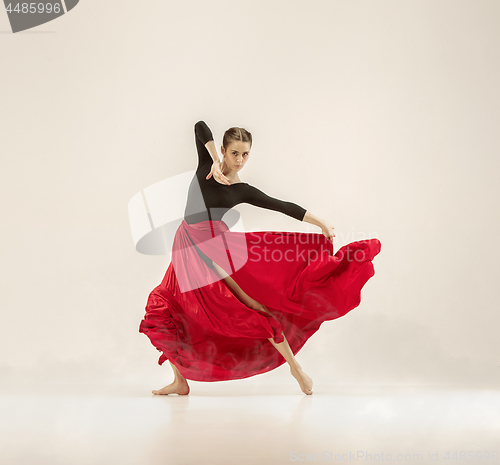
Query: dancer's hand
point(216, 171)
point(328, 231)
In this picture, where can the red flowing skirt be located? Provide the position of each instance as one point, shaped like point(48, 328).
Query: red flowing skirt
point(198, 324)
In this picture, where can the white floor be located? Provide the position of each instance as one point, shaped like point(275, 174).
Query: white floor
point(219, 423)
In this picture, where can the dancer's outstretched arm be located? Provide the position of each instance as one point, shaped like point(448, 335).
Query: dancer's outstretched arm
point(325, 227)
point(259, 198)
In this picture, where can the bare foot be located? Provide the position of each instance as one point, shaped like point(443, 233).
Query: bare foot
point(177, 387)
point(305, 382)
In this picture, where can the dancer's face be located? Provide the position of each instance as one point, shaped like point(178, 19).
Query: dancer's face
point(236, 155)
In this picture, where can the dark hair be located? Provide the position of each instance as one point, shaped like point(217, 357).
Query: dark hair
point(236, 134)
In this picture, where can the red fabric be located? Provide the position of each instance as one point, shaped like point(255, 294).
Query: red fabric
point(209, 335)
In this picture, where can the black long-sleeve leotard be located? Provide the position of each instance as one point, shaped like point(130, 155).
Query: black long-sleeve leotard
point(210, 200)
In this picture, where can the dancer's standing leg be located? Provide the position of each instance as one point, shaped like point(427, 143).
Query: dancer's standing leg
point(179, 386)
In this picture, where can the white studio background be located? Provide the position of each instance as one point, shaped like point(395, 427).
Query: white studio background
point(380, 116)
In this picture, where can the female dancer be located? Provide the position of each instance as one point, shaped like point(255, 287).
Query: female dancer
point(203, 321)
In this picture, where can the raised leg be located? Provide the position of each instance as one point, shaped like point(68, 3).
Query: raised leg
point(305, 382)
point(235, 289)
point(283, 348)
